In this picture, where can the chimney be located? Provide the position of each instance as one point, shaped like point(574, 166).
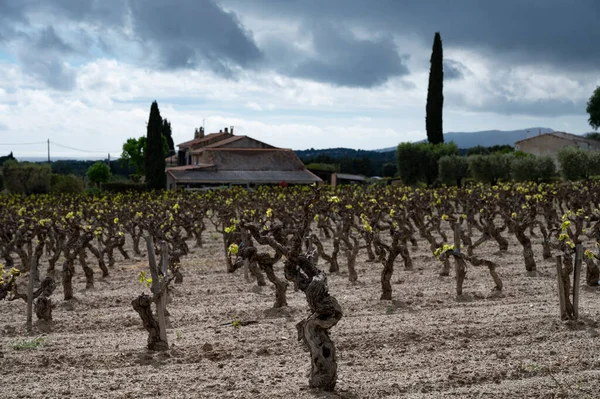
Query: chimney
point(231, 129)
point(220, 130)
point(196, 133)
point(226, 130)
point(201, 132)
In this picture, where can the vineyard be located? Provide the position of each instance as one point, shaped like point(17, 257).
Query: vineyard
point(288, 292)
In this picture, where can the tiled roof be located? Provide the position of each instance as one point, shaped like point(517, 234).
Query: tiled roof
point(252, 159)
point(204, 139)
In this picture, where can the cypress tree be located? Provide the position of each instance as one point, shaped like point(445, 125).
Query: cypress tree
point(435, 95)
point(166, 131)
point(156, 179)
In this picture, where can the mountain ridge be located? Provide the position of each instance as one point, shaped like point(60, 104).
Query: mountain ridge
point(486, 138)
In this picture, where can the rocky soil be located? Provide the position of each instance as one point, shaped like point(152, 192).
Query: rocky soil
point(427, 343)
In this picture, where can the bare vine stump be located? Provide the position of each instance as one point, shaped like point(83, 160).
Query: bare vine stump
point(546, 250)
point(408, 264)
point(68, 271)
point(314, 333)
point(502, 242)
point(255, 271)
point(461, 273)
point(178, 277)
point(352, 275)
point(491, 267)
point(592, 274)
point(280, 287)
point(445, 268)
point(530, 265)
point(246, 267)
point(89, 276)
point(43, 308)
point(386, 285)
point(142, 305)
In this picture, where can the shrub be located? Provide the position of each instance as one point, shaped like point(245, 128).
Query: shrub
point(524, 169)
point(532, 168)
point(99, 173)
point(120, 187)
point(66, 184)
point(408, 158)
point(388, 169)
point(576, 163)
point(26, 178)
point(489, 168)
point(452, 169)
point(1, 182)
point(546, 168)
point(326, 167)
point(478, 150)
point(419, 162)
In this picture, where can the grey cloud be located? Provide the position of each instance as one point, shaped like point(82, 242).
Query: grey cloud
point(48, 40)
point(49, 69)
point(557, 32)
point(94, 12)
point(510, 106)
point(548, 108)
point(44, 59)
point(176, 33)
point(344, 60)
point(208, 34)
point(194, 33)
point(454, 70)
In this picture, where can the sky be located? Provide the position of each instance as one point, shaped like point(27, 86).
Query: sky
point(294, 73)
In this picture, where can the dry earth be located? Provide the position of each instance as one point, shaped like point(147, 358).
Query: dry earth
point(425, 344)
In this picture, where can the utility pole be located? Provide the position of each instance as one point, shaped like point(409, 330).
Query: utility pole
point(48, 150)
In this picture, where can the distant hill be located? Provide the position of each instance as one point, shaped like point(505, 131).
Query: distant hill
point(488, 138)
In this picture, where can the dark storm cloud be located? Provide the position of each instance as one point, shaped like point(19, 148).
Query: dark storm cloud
point(454, 70)
point(43, 58)
point(504, 105)
point(175, 33)
point(209, 34)
point(191, 33)
point(546, 107)
point(340, 58)
point(558, 32)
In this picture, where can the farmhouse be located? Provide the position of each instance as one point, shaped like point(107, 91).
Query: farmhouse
point(550, 143)
point(331, 176)
point(224, 159)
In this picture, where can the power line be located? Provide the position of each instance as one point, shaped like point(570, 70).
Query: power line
point(79, 149)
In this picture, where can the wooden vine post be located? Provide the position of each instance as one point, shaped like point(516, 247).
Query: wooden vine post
point(568, 310)
point(157, 330)
point(32, 267)
point(460, 264)
point(576, 278)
